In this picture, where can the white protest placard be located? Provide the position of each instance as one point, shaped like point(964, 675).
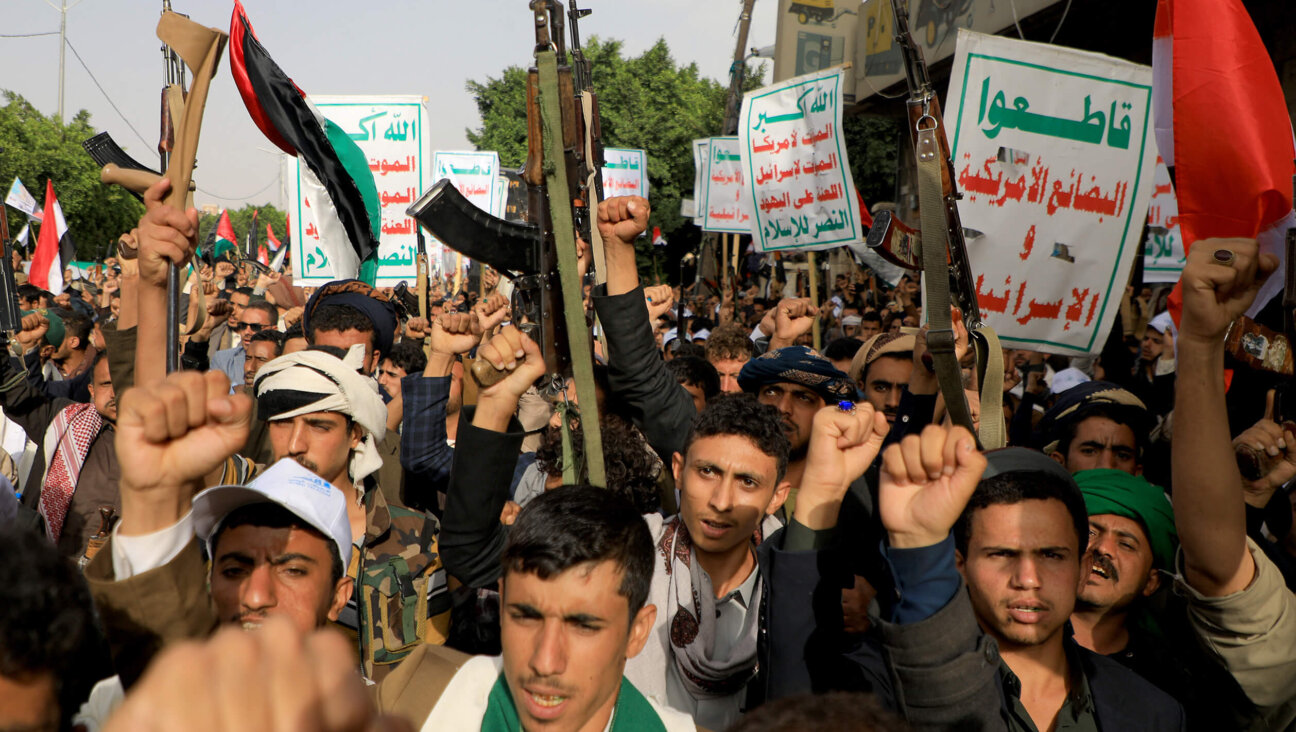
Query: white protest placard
point(798, 181)
point(701, 155)
point(474, 174)
point(1054, 154)
point(1163, 251)
point(725, 206)
point(625, 172)
point(390, 131)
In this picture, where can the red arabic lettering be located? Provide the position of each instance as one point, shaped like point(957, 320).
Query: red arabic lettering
point(1041, 310)
point(988, 300)
point(1029, 244)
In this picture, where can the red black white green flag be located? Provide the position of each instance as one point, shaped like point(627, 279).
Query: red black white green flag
point(335, 173)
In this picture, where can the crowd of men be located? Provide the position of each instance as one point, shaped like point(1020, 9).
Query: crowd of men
point(324, 521)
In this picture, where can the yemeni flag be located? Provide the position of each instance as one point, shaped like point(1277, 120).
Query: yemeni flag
point(271, 240)
point(658, 239)
point(336, 180)
point(54, 247)
point(1222, 128)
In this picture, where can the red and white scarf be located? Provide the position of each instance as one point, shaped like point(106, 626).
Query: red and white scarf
point(70, 435)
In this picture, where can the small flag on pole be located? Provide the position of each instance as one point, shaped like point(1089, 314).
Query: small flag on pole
point(54, 247)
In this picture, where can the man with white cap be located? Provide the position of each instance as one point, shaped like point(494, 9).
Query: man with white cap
point(279, 546)
point(327, 417)
point(1154, 371)
point(322, 412)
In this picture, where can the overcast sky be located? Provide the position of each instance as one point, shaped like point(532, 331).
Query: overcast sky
point(425, 47)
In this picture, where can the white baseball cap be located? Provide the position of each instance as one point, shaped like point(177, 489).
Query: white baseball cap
point(286, 483)
point(1161, 323)
point(1067, 378)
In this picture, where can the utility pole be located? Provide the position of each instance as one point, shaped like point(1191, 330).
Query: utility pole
point(733, 105)
point(738, 71)
point(62, 7)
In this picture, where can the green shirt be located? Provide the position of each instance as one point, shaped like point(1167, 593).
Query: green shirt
point(1077, 713)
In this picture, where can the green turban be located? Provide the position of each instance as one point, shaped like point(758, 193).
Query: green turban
point(53, 336)
point(1117, 492)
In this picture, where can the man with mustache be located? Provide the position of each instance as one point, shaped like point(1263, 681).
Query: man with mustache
point(798, 383)
point(1121, 609)
point(987, 553)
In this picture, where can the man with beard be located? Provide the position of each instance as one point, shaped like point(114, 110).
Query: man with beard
point(1132, 544)
point(798, 382)
point(324, 414)
point(75, 470)
point(881, 369)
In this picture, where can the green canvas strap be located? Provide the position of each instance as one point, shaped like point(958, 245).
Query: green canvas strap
point(564, 236)
point(990, 372)
point(935, 247)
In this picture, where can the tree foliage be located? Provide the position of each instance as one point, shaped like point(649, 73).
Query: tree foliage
point(872, 145)
point(37, 148)
point(648, 102)
point(651, 102)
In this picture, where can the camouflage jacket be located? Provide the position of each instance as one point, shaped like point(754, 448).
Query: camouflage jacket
point(401, 598)
point(401, 593)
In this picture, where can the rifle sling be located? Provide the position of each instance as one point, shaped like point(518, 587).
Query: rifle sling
point(564, 237)
point(935, 246)
point(940, 337)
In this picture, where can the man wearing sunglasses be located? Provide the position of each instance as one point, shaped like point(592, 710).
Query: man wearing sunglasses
point(257, 316)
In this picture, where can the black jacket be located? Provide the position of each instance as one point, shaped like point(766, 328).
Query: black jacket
point(940, 673)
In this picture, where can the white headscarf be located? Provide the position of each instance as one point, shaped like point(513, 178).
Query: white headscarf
point(306, 382)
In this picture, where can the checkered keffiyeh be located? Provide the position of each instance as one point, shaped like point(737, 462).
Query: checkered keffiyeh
point(73, 429)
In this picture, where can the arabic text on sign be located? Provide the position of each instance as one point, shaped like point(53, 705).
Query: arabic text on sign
point(998, 188)
point(1091, 127)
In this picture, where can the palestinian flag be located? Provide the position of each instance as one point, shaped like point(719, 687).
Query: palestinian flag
point(251, 243)
point(54, 247)
point(1232, 172)
point(336, 180)
point(220, 241)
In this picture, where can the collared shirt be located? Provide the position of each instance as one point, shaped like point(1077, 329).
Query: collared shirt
point(231, 362)
point(731, 614)
point(1077, 712)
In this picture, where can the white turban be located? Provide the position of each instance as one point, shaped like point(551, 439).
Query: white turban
point(306, 382)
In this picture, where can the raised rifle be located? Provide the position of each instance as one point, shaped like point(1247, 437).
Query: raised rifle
point(10, 315)
point(939, 250)
point(540, 253)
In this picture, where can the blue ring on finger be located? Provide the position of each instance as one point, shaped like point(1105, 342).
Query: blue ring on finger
point(846, 406)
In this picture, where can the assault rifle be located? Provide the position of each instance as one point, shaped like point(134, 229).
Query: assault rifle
point(539, 254)
point(939, 249)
